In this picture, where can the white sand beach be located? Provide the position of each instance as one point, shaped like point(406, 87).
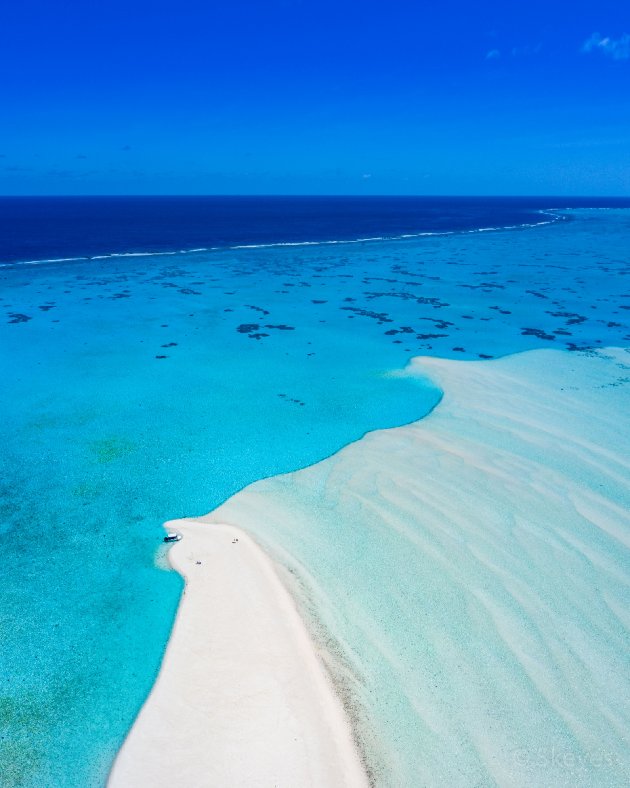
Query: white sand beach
point(474, 570)
point(242, 698)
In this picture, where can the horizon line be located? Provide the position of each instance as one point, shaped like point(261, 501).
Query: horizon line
point(325, 196)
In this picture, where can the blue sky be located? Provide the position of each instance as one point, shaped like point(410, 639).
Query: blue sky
point(315, 97)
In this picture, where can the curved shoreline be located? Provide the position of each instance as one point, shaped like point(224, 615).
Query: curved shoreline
point(242, 697)
point(492, 603)
point(470, 564)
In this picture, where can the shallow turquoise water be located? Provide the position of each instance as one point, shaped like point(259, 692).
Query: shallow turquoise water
point(150, 388)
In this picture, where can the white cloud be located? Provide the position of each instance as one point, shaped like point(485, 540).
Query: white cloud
point(616, 48)
point(493, 54)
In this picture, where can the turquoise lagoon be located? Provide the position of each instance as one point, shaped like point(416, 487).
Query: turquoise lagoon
point(139, 389)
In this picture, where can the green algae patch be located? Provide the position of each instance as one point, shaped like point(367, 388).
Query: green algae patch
point(111, 449)
point(21, 724)
point(87, 492)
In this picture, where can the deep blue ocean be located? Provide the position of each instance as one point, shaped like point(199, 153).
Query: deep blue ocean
point(159, 354)
point(45, 228)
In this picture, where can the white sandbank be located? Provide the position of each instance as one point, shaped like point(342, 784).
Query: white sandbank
point(242, 698)
point(473, 569)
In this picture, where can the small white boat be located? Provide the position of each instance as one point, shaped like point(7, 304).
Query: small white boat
point(172, 537)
